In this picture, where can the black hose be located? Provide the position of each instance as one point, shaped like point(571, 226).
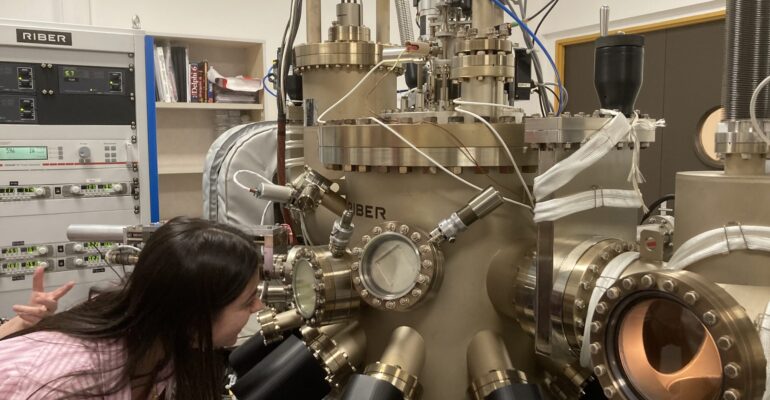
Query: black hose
point(654, 206)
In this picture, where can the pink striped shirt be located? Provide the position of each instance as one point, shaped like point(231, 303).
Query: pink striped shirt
point(42, 365)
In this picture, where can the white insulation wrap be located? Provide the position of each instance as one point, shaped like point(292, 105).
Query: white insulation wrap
point(609, 275)
point(764, 338)
point(720, 241)
point(555, 209)
point(600, 143)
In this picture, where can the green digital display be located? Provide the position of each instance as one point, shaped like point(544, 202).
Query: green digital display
point(23, 153)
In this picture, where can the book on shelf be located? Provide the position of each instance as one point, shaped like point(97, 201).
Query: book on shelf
point(178, 79)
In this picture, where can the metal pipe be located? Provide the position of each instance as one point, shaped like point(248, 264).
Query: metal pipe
point(485, 15)
point(404, 16)
point(313, 21)
point(604, 20)
point(383, 21)
point(487, 353)
point(406, 350)
point(747, 58)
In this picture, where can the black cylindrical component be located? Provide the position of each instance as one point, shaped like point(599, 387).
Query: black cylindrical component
point(288, 372)
point(517, 391)
point(747, 58)
point(247, 355)
point(364, 387)
point(618, 70)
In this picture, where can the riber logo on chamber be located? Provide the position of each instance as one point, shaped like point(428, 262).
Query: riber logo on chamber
point(44, 37)
point(367, 211)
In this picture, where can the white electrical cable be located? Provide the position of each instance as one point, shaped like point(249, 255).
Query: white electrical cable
point(753, 111)
point(597, 146)
point(555, 209)
point(720, 241)
point(308, 242)
point(242, 186)
point(264, 212)
point(609, 275)
point(437, 164)
point(357, 85)
point(505, 147)
point(764, 338)
point(477, 103)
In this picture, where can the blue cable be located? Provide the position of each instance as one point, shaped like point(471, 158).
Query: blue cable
point(269, 71)
point(539, 43)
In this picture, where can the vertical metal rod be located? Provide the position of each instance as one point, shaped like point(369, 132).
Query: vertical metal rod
point(313, 21)
point(383, 21)
point(604, 20)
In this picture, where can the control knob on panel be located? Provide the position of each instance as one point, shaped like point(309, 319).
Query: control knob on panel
point(79, 262)
point(75, 189)
point(117, 188)
point(43, 264)
point(77, 247)
point(85, 154)
point(39, 192)
point(42, 250)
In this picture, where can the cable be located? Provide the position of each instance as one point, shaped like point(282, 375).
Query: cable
point(357, 85)
point(654, 206)
point(546, 16)
point(264, 212)
point(542, 47)
point(533, 16)
point(264, 85)
point(545, 105)
point(244, 187)
point(556, 96)
point(753, 111)
point(437, 164)
point(505, 147)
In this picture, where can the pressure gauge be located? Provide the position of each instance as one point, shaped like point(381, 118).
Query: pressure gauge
point(322, 286)
point(397, 266)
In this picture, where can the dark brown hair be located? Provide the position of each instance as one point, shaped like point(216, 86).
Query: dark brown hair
point(187, 272)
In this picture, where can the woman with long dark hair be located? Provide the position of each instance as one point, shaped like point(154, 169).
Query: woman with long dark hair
point(191, 292)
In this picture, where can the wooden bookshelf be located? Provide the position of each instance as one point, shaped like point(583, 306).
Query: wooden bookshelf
point(185, 131)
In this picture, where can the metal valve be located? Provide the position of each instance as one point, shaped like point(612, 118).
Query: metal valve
point(341, 233)
point(481, 205)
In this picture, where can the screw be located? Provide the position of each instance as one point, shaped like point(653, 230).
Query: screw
point(377, 302)
point(609, 392)
point(366, 239)
point(427, 264)
point(404, 301)
point(601, 308)
point(710, 317)
point(354, 266)
point(403, 229)
point(585, 285)
point(416, 292)
point(421, 278)
point(593, 268)
point(580, 304)
point(357, 251)
point(599, 370)
point(364, 293)
point(596, 327)
point(580, 323)
point(725, 343)
point(691, 297)
point(629, 284)
point(416, 237)
point(613, 293)
point(357, 280)
point(648, 281)
point(732, 370)
point(731, 394)
point(668, 285)
point(425, 249)
point(390, 304)
point(595, 348)
point(391, 227)
point(377, 230)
